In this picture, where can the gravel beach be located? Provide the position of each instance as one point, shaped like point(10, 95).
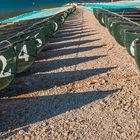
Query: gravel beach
point(83, 86)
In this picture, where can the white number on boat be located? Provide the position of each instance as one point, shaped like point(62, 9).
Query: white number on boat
point(111, 24)
point(27, 37)
point(40, 43)
point(132, 47)
point(24, 53)
point(103, 20)
point(4, 64)
point(63, 19)
point(56, 26)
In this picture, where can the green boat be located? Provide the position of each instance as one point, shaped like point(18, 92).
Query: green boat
point(27, 45)
point(95, 12)
point(53, 28)
point(41, 35)
point(59, 20)
point(132, 43)
point(118, 11)
point(119, 29)
point(21, 42)
point(137, 52)
point(124, 25)
point(102, 15)
point(110, 22)
point(117, 24)
point(26, 52)
point(130, 39)
point(7, 64)
point(99, 14)
point(129, 16)
point(28, 48)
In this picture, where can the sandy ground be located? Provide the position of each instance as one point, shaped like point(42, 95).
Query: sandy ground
point(83, 86)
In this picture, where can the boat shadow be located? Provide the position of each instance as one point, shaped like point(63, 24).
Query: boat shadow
point(51, 53)
point(55, 64)
point(59, 45)
point(67, 37)
point(20, 113)
point(67, 34)
point(43, 81)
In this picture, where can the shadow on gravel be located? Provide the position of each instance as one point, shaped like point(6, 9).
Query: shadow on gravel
point(71, 30)
point(72, 26)
point(55, 64)
point(71, 34)
point(74, 21)
point(70, 44)
point(65, 38)
point(42, 81)
point(23, 112)
point(56, 53)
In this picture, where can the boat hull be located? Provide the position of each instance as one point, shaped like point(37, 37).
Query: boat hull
point(130, 38)
point(26, 52)
point(119, 29)
point(137, 53)
point(22, 44)
point(7, 66)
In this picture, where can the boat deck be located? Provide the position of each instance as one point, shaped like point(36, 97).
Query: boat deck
point(83, 85)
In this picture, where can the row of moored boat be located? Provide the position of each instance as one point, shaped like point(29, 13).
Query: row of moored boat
point(124, 25)
point(22, 41)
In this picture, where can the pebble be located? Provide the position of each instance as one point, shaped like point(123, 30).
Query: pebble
point(26, 138)
point(22, 132)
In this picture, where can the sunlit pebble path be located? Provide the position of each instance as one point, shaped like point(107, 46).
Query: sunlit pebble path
point(83, 86)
